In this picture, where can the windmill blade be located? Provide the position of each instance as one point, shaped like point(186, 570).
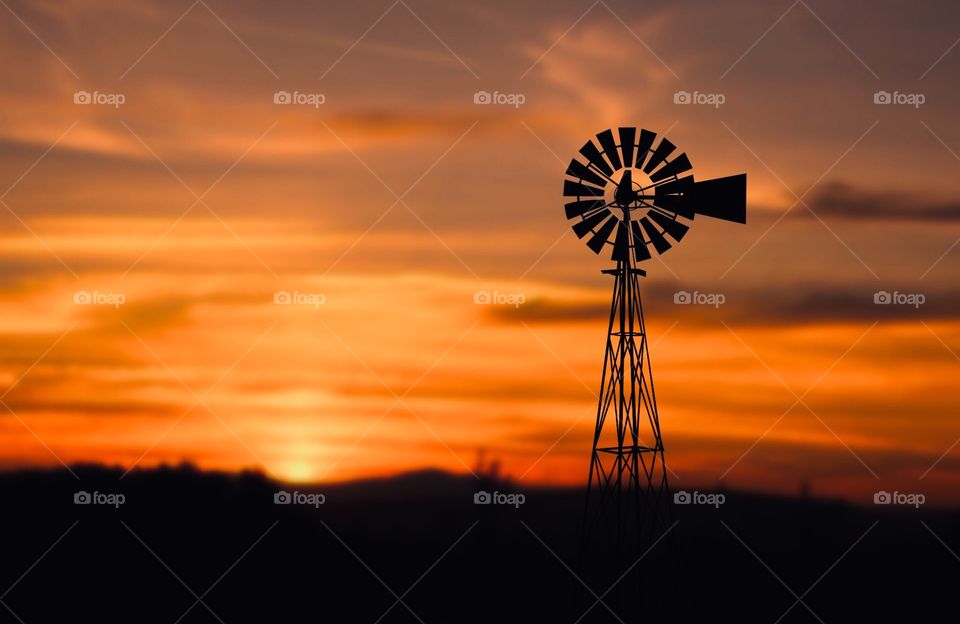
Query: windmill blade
point(599, 239)
point(579, 170)
point(584, 227)
point(640, 251)
point(576, 189)
point(674, 228)
point(643, 146)
point(659, 242)
point(579, 208)
point(628, 136)
point(722, 198)
point(659, 155)
point(621, 244)
point(676, 166)
point(592, 154)
point(610, 148)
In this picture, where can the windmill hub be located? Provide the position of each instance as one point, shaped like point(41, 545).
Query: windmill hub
point(631, 191)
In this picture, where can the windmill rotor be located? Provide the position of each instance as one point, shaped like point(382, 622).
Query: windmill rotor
point(636, 195)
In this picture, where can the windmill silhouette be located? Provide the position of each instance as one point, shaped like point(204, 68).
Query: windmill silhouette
point(629, 196)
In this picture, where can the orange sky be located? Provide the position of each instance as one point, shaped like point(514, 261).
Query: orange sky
point(389, 205)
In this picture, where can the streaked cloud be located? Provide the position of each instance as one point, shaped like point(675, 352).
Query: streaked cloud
point(845, 201)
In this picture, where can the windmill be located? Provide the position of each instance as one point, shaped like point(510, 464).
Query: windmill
point(632, 198)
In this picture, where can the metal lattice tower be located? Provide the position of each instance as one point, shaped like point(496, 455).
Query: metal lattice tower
point(627, 490)
point(630, 196)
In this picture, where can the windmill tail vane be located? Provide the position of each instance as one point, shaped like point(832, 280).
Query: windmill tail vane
point(632, 196)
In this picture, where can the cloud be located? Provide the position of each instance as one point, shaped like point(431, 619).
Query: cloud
point(25, 405)
point(849, 201)
point(785, 304)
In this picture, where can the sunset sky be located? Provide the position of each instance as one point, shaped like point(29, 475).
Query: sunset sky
point(385, 199)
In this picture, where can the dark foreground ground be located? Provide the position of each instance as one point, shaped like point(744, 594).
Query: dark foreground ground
point(215, 548)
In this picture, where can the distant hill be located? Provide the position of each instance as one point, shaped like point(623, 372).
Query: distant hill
point(348, 555)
